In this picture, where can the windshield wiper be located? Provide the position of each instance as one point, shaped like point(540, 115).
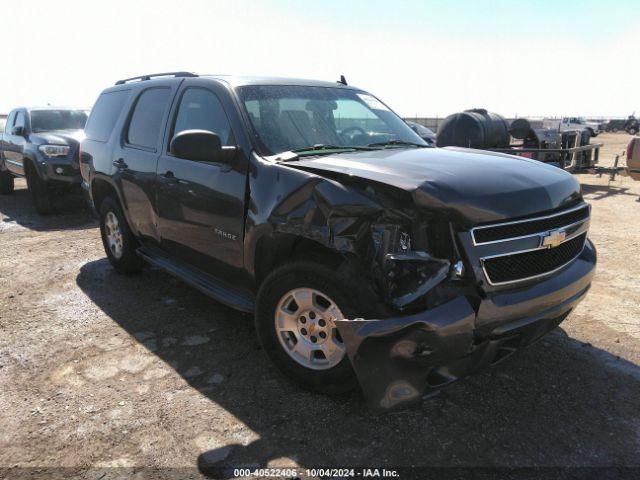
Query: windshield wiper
point(325, 146)
point(293, 155)
point(396, 142)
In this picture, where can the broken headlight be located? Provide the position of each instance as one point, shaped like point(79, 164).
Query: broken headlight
point(407, 271)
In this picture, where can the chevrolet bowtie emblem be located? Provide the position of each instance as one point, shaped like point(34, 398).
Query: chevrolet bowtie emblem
point(553, 238)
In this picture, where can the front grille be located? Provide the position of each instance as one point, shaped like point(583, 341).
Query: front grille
point(519, 266)
point(529, 227)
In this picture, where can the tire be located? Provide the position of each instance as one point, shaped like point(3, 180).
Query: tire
point(632, 131)
point(332, 284)
point(118, 240)
point(6, 183)
point(40, 192)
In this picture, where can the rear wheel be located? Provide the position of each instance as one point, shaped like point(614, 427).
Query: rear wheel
point(295, 312)
point(40, 192)
point(6, 183)
point(632, 130)
point(117, 239)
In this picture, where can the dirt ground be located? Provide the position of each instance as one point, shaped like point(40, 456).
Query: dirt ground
point(100, 370)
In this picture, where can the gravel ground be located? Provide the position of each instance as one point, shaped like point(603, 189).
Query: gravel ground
point(100, 370)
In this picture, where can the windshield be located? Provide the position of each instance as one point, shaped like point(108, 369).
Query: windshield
point(286, 118)
point(47, 120)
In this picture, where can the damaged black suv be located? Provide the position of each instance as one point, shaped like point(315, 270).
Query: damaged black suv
point(366, 255)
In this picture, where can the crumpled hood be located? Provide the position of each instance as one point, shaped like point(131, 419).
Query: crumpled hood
point(474, 185)
point(58, 137)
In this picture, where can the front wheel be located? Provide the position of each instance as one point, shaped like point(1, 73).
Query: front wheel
point(632, 130)
point(117, 239)
point(6, 183)
point(40, 192)
point(295, 312)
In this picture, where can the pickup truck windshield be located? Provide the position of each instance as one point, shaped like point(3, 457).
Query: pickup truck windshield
point(48, 120)
point(291, 117)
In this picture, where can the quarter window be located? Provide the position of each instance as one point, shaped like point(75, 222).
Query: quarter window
point(146, 120)
point(201, 109)
point(105, 114)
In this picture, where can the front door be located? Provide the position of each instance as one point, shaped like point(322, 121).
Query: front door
point(201, 204)
point(14, 144)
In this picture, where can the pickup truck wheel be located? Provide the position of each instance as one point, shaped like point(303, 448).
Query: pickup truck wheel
point(39, 190)
point(6, 183)
point(632, 131)
point(295, 309)
point(119, 243)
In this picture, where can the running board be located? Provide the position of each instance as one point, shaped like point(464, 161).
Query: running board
point(234, 297)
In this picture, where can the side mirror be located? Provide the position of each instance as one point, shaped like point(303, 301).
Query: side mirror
point(19, 130)
point(201, 146)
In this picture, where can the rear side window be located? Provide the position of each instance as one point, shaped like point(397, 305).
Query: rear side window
point(146, 120)
point(200, 109)
point(104, 115)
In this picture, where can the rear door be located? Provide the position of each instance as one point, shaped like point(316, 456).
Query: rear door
point(135, 158)
point(201, 204)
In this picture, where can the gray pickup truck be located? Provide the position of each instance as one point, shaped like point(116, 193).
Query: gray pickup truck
point(42, 144)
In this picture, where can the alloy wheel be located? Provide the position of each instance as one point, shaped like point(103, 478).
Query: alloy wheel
point(304, 321)
point(113, 234)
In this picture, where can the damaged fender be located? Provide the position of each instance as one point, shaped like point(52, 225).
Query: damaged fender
point(395, 359)
point(288, 201)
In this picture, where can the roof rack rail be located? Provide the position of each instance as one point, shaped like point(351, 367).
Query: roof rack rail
point(148, 77)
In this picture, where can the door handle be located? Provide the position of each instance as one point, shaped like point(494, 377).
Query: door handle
point(120, 164)
point(169, 177)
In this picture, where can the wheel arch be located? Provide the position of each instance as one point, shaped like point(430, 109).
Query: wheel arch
point(29, 162)
point(274, 250)
point(101, 188)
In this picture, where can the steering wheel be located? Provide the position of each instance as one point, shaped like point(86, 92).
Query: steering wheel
point(348, 132)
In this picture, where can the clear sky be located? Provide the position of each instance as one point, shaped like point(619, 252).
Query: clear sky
point(422, 57)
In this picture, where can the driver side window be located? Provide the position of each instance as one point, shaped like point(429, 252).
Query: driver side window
point(20, 120)
point(201, 109)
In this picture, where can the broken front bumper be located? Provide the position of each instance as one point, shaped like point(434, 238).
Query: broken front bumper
point(400, 359)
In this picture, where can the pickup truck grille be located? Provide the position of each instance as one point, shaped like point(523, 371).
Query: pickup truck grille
point(509, 268)
point(521, 228)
